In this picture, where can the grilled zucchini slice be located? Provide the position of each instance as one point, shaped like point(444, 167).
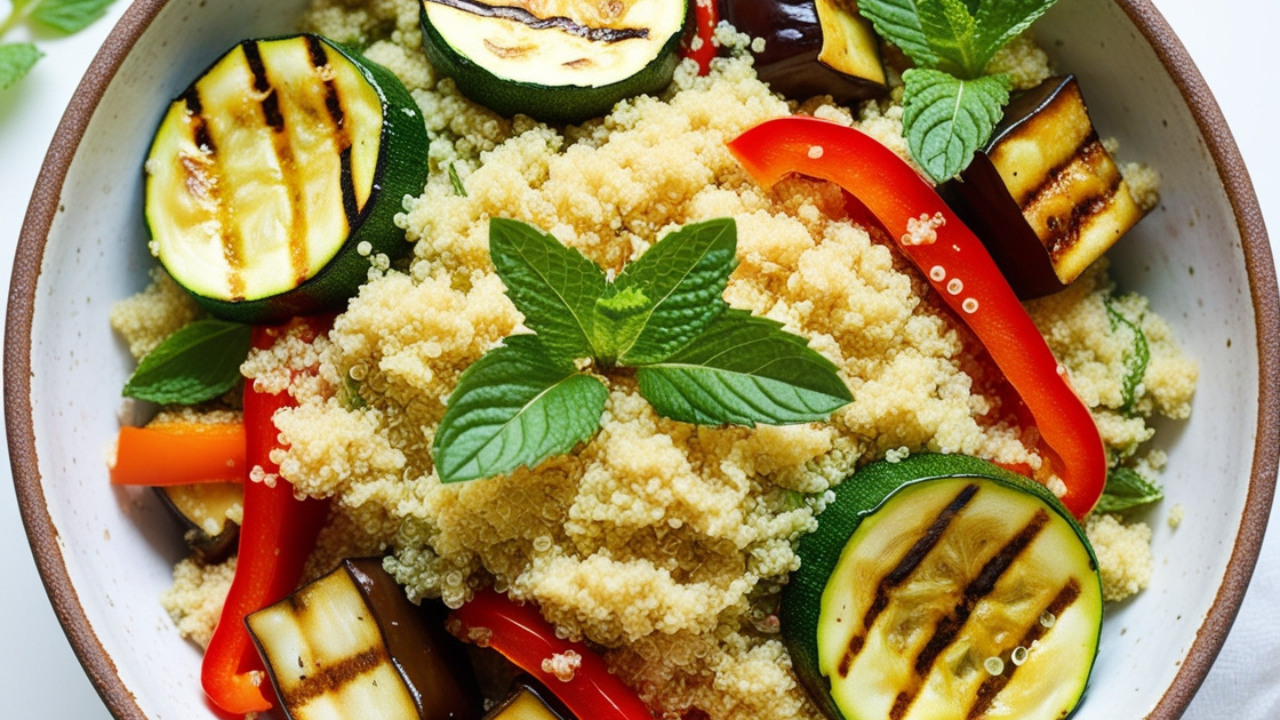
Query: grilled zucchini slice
point(568, 61)
point(276, 175)
point(943, 587)
point(351, 645)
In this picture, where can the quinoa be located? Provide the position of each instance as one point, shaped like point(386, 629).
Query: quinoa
point(665, 544)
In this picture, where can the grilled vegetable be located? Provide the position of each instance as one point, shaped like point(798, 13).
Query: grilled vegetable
point(528, 701)
point(812, 47)
point(943, 586)
point(275, 176)
point(351, 645)
point(1045, 195)
point(205, 509)
point(571, 60)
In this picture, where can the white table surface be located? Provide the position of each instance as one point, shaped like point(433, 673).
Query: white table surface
point(1236, 52)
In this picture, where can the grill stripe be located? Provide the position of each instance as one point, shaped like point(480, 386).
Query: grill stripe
point(342, 137)
point(564, 24)
point(948, 628)
point(334, 675)
point(907, 565)
point(1064, 236)
point(203, 173)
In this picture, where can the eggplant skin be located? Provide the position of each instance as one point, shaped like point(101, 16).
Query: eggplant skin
point(1045, 196)
point(794, 35)
point(351, 645)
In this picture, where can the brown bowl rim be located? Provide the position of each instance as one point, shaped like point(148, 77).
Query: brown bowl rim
point(44, 206)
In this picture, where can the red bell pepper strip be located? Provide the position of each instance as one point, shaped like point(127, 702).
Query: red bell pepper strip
point(701, 47)
point(277, 534)
point(523, 637)
point(957, 266)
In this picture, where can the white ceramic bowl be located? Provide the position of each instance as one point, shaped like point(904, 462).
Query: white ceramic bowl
point(105, 553)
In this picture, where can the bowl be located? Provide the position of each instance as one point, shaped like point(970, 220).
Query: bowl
point(106, 553)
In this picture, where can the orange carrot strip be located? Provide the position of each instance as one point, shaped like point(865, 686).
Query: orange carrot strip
point(178, 453)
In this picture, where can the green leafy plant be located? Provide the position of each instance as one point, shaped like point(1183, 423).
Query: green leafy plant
point(950, 104)
point(61, 16)
point(1126, 489)
point(695, 359)
point(197, 363)
point(1135, 361)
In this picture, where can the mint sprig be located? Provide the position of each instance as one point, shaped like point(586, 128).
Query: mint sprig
point(199, 362)
point(744, 370)
point(1126, 489)
point(1135, 361)
point(952, 107)
point(696, 359)
point(949, 118)
point(63, 16)
point(517, 405)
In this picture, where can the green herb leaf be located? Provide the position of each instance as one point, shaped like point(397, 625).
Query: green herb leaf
point(744, 370)
point(956, 36)
point(683, 275)
point(197, 363)
point(1126, 489)
point(999, 21)
point(16, 60)
point(69, 16)
point(517, 405)
point(458, 187)
point(1135, 361)
point(554, 286)
point(900, 22)
point(946, 120)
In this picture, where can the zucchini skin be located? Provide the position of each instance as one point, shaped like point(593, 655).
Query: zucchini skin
point(558, 104)
point(401, 170)
point(820, 551)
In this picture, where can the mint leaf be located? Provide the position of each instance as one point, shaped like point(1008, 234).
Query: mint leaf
point(900, 22)
point(1135, 361)
point(683, 275)
point(951, 30)
point(554, 286)
point(956, 36)
point(458, 188)
point(1126, 489)
point(999, 21)
point(946, 120)
point(517, 405)
point(69, 16)
point(197, 363)
point(744, 370)
point(16, 60)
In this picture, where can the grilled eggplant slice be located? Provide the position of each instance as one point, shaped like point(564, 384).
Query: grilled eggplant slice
point(351, 645)
point(277, 173)
point(206, 509)
point(529, 701)
point(1045, 195)
point(569, 61)
point(942, 586)
point(812, 47)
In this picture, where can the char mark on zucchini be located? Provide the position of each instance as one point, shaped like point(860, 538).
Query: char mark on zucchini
point(916, 555)
point(276, 176)
point(992, 686)
point(559, 22)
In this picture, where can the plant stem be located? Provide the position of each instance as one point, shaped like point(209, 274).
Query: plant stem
point(19, 13)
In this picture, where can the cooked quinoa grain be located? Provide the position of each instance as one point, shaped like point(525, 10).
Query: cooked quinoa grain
point(666, 544)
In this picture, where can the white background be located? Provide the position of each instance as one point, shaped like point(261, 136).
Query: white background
point(1234, 43)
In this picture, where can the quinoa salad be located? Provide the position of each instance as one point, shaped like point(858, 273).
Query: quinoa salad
point(664, 545)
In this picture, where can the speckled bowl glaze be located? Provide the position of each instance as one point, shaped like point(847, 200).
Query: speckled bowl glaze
point(106, 553)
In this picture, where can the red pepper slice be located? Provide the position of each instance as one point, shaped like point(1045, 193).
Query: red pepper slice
point(523, 637)
point(706, 15)
point(277, 534)
point(956, 265)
